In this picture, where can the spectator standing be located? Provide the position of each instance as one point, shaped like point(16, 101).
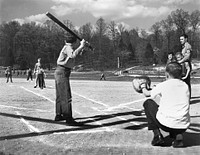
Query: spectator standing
point(187, 57)
point(36, 71)
point(9, 74)
point(29, 74)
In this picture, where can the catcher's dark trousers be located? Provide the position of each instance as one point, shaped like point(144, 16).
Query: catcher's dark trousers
point(151, 108)
point(63, 92)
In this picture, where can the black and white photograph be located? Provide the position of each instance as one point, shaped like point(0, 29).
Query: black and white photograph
point(99, 77)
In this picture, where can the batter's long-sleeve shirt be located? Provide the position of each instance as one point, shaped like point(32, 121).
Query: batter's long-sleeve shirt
point(67, 55)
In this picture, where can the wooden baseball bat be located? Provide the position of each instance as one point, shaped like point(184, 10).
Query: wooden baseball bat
point(66, 28)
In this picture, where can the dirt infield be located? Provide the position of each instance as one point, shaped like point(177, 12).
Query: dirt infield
point(110, 114)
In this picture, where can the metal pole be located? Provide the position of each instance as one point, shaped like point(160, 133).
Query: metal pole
point(118, 63)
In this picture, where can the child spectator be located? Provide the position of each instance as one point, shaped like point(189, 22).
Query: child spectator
point(41, 75)
point(171, 57)
point(186, 70)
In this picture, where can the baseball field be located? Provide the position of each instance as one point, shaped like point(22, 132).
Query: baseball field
point(110, 113)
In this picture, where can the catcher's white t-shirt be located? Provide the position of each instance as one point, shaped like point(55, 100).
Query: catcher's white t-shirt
point(173, 110)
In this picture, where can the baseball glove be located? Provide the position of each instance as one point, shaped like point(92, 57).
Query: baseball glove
point(140, 82)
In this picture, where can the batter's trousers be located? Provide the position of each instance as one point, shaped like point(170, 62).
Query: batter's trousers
point(63, 92)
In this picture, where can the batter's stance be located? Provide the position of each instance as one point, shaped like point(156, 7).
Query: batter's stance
point(65, 63)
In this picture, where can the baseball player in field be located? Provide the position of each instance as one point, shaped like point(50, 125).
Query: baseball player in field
point(65, 63)
point(9, 74)
point(36, 71)
point(172, 113)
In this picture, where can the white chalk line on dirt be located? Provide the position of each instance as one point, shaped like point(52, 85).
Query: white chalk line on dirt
point(98, 123)
point(126, 104)
point(6, 106)
point(30, 127)
point(120, 118)
point(109, 108)
point(102, 111)
point(37, 94)
point(87, 131)
point(98, 102)
point(43, 97)
point(34, 129)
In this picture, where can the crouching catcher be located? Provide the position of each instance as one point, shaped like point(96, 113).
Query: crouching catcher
point(172, 113)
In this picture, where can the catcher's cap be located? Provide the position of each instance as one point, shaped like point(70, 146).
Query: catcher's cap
point(71, 39)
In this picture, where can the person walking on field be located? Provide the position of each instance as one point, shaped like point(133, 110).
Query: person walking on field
point(172, 113)
point(36, 71)
point(103, 77)
point(65, 63)
point(29, 74)
point(9, 74)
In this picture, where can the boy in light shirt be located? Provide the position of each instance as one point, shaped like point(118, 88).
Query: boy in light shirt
point(172, 113)
point(186, 70)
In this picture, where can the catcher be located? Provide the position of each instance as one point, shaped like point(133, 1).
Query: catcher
point(172, 113)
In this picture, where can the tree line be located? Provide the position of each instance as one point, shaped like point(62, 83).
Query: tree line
point(22, 45)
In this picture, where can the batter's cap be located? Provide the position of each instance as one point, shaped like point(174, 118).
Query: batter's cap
point(71, 39)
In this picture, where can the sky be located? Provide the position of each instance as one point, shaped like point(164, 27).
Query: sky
point(131, 13)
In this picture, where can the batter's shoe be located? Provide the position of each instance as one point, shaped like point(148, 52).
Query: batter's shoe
point(178, 142)
point(59, 118)
point(72, 122)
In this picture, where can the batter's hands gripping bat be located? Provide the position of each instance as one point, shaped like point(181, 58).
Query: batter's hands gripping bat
point(66, 28)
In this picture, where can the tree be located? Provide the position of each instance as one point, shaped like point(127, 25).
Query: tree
point(86, 32)
point(195, 23)
point(143, 34)
point(121, 28)
point(194, 19)
point(167, 26)
point(156, 29)
point(149, 53)
point(8, 32)
point(113, 33)
point(101, 28)
point(134, 39)
point(180, 19)
point(53, 36)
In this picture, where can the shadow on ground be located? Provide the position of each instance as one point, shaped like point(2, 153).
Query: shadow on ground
point(190, 139)
point(195, 100)
point(81, 125)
